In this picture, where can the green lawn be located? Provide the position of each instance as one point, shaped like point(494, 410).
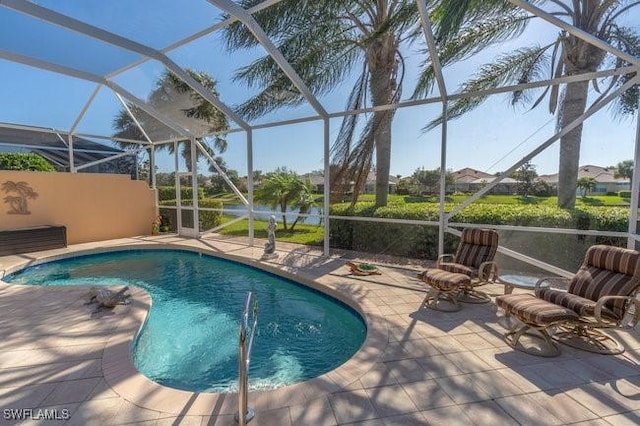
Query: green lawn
point(302, 234)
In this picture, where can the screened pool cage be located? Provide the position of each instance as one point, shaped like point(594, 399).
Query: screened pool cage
point(109, 48)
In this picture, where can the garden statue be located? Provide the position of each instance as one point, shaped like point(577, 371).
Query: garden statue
point(270, 246)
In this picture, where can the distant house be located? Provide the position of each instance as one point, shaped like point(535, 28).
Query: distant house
point(604, 176)
point(466, 179)
point(506, 186)
point(471, 180)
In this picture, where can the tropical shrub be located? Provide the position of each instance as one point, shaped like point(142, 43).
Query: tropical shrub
point(421, 241)
point(169, 193)
point(207, 219)
point(20, 161)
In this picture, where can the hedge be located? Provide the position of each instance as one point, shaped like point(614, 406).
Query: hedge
point(169, 193)
point(19, 161)
point(624, 194)
point(207, 219)
point(421, 241)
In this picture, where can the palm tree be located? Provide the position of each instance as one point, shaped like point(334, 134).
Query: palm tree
point(345, 35)
point(282, 189)
point(304, 202)
point(170, 96)
point(624, 170)
point(586, 184)
point(567, 55)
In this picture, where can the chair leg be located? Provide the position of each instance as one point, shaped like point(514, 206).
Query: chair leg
point(468, 294)
point(512, 337)
point(589, 339)
point(434, 297)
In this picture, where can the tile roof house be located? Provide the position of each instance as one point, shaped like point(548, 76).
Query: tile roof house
point(604, 176)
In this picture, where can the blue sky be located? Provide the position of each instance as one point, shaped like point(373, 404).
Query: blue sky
point(490, 138)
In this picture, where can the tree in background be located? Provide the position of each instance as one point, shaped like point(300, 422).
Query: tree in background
point(526, 176)
point(428, 181)
point(463, 25)
point(586, 185)
point(281, 188)
point(624, 170)
point(173, 96)
point(22, 161)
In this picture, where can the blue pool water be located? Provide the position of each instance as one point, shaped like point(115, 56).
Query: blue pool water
point(190, 339)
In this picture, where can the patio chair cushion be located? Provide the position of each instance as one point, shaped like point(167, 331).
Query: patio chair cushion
point(459, 269)
point(535, 311)
point(578, 304)
point(476, 247)
point(607, 271)
point(444, 280)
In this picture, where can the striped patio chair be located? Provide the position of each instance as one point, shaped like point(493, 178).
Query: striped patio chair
point(474, 258)
point(602, 294)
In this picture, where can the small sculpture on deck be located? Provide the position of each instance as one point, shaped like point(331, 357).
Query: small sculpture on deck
point(107, 298)
point(270, 245)
point(363, 269)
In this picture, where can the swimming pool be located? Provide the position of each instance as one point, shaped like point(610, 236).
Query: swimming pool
point(190, 338)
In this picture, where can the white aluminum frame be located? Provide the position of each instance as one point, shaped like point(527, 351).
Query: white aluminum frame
point(236, 13)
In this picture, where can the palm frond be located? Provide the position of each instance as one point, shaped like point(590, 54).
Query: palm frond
point(522, 66)
point(469, 41)
point(451, 15)
point(628, 41)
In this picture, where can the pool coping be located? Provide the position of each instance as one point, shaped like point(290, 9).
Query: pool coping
point(122, 376)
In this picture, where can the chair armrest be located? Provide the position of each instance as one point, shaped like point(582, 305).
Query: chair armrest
point(630, 299)
point(442, 257)
point(488, 271)
point(560, 283)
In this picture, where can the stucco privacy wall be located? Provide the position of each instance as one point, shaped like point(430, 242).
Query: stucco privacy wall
point(93, 207)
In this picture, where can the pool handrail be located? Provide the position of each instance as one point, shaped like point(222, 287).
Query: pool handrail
point(245, 414)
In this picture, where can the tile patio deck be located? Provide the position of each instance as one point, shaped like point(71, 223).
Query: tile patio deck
point(417, 366)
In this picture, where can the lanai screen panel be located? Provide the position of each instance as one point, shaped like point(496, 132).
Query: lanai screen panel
point(23, 35)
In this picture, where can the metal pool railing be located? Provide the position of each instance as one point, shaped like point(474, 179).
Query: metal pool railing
point(245, 414)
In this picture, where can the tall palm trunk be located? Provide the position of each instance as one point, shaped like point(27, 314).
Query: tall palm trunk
point(582, 57)
point(381, 57)
point(575, 102)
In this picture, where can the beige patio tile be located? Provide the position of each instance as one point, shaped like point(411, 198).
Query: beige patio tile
point(407, 371)
point(131, 413)
point(98, 412)
point(391, 401)
point(405, 420)
point(71, 391)
point(278, 416)
point(379, 375)
point(352, 406)
point(178, 421)
point(438, 366)
point(488, 413)
point(630, 418)
point(527, 410)
point(607, 399)
point(452, 415)
point(494, 384)
point(468, 362)
point(564, 407)
point(427, 394)
point(462, 389)
point(25, 396)
point(316, 412)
